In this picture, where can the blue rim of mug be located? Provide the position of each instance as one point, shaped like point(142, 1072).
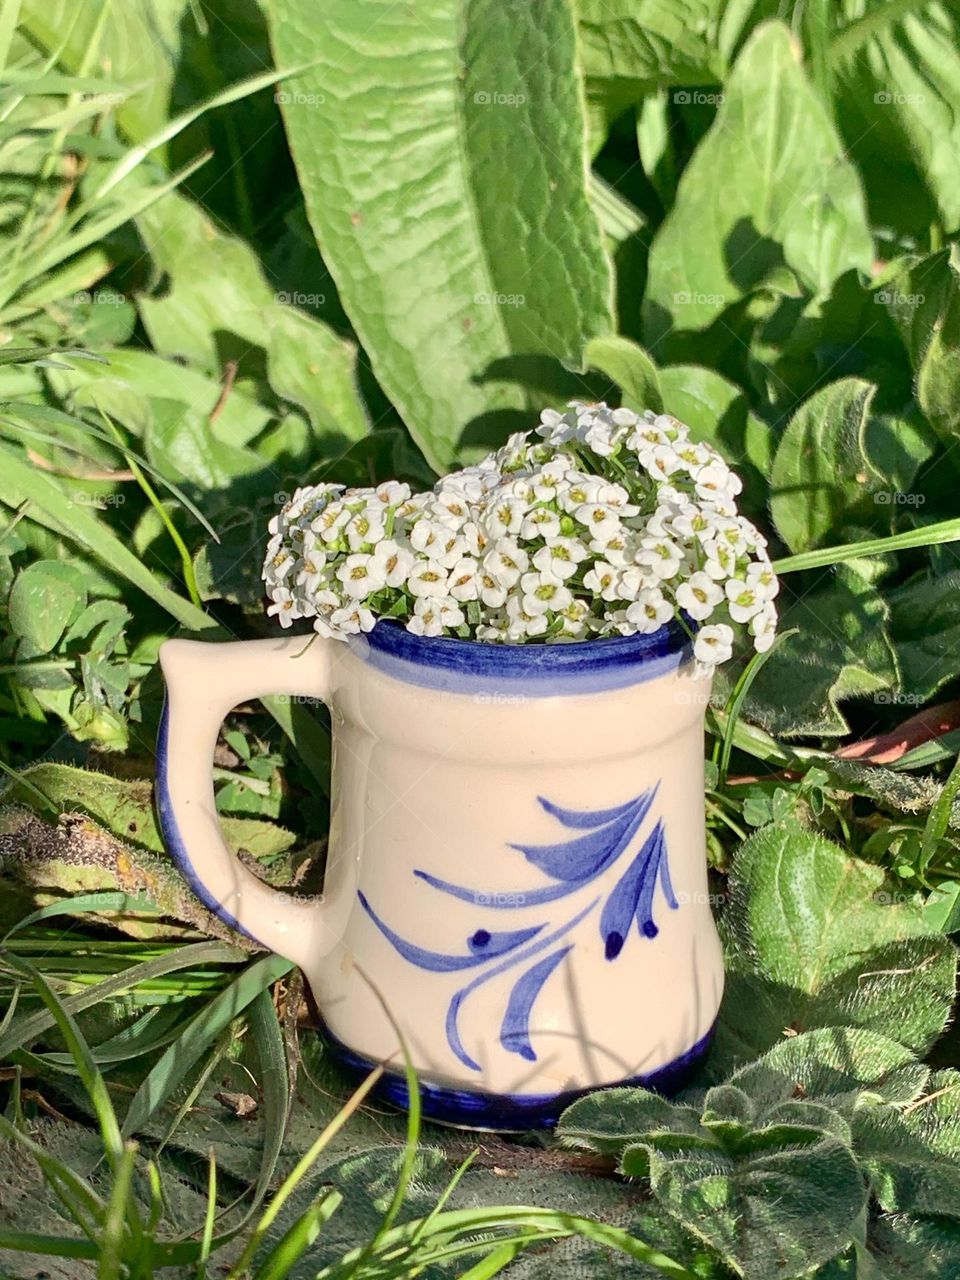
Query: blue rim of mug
point(509, 1113)
point(449, 665)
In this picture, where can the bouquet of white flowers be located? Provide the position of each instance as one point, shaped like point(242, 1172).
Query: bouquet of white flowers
point(603, 522)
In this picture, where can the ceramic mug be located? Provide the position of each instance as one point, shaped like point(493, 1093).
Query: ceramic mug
point(516, 863)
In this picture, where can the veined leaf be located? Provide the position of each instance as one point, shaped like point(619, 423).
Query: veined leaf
point(896, 94)
point(458, 229)
point(768, 187)
point(842, 651)
point(633, 46)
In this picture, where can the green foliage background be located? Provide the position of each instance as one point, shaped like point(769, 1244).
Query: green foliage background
point(251, 245)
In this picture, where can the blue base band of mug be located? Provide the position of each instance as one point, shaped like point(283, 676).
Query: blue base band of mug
point(509, 1113)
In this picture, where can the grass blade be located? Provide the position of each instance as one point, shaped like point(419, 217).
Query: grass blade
point(102, 900)
point(299, 1171)
point(199, 1034)
point(294, 1243)
point(27, 1029)
point(49, 507)
point(930, 535)
point(233, 93)
point(49, 1246)
point(87, 1069)
point(267, 1037)
point(737, 699)
point(111, 1261)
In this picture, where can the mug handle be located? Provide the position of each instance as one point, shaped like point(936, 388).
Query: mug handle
point(204, 681)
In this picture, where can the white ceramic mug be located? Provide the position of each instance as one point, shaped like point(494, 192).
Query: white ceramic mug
point(516, 858)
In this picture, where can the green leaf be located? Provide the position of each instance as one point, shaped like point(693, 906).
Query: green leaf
point(768, 187)
point(611, 1119)
point(718, 413)
point(836, 1066)
point(906, 1175)
point(124, 806)
point(814, 939)
point(215, 288)
point(458, 262)
point(775, 1214)
point(821, 473)
point(124, 387)
point(925, 629)
point(630, 368)
point(630, 48)
point(45, 598)
point(310, 366)
point(905, 1248)
point(896, 95)
point(180, 443)
point(842, 651)
point(50, 507)
point(922, 296)
point(198, 1036)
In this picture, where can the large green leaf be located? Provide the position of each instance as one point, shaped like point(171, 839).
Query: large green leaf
point(633, 46)
point(906, 1175)
point(925, 628)
point(836, 1066)
point(814, 939)
point(922, 296)
point(768, 187)
point(841, 651)
point(897, 95)
point(767, 1214)
point(840, 465)
point(457, 227)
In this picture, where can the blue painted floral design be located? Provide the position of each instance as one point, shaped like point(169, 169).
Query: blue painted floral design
point(572, 865)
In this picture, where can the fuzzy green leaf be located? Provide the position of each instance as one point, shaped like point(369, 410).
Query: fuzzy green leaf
point(46, 597)
point(769, 186)
point(774, 1214)
point(835, 1066)
point(841, 651)
point(456, 246)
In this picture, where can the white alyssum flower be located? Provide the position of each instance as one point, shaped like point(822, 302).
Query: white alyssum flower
point(601, 522)
point(698, 596)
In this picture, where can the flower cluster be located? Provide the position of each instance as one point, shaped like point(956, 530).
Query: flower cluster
point(603, 522)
